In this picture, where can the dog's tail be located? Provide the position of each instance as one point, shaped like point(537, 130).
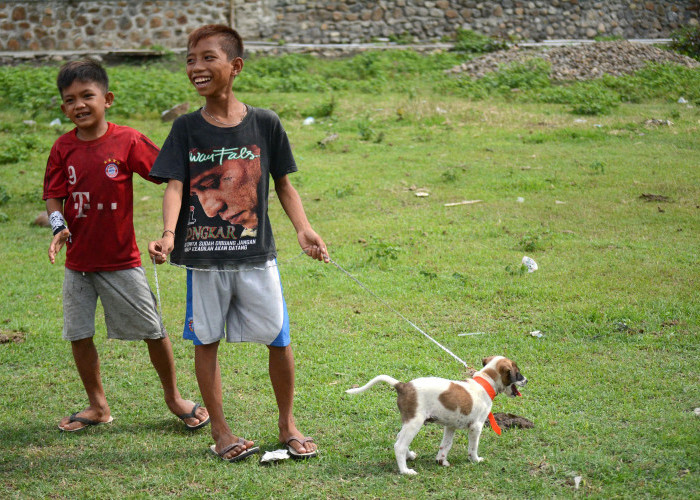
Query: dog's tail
point(381, 378)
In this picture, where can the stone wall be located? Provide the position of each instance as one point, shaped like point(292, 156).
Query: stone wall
point(128, 24)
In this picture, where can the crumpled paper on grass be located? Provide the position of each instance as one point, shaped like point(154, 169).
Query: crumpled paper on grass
point(274, 456)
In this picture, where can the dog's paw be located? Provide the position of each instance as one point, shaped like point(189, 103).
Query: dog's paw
point(409, 472)
point(476, 459)
point(443, 462)
point(411, 455)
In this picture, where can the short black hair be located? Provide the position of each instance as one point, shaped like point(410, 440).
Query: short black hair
point(230, 41)
point(85, 70)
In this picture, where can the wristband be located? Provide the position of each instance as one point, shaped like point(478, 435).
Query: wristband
point(57, 222)
point(167, 231)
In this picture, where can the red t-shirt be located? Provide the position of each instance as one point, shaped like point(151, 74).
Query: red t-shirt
point(94, 178)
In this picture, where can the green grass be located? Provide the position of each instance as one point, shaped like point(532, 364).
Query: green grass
point(613, 381)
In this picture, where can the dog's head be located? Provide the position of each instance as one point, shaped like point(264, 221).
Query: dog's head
point(505, 374)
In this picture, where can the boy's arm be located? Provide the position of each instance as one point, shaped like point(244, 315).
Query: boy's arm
point(310, 242)
point(60, 238)
point(172, 201)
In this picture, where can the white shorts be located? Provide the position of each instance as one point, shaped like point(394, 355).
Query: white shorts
point(242, 303)
point(128, 303)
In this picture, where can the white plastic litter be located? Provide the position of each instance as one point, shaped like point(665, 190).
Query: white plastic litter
point(274, 456)
point(309, 120)
point(682, 100)
point(520, 199)
point(56, 122)
point(530, 264)
point(537, 333)
point(577, 482)
point(465, 202)
point(472, 333)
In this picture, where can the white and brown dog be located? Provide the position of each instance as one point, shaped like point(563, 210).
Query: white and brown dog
point(453, 404)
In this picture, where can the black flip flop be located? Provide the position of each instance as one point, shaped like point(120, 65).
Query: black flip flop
point(192, 415)
point(88, 422)
point(244, 454)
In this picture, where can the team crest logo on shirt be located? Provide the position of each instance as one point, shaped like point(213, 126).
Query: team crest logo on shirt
point(111, 168)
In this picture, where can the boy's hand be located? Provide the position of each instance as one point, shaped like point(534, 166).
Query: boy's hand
point(160, 249)
point(313, 245)
point(57, 243)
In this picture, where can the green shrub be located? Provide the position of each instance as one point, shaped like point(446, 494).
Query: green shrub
point(17, 149)
point(476, 43)
point(4, 195)
point(404, 38)
point(34, 89)
point(686, 41)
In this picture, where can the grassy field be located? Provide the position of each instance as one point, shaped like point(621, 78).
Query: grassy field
point(613, 380)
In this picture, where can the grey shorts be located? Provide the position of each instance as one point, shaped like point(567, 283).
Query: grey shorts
point(129, 305)
point(242, 303)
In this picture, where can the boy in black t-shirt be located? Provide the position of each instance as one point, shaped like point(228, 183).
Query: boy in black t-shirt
point(218, 162)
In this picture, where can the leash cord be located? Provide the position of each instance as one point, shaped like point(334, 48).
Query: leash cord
point(340, 268)
point(155, 274)
point(385, 304)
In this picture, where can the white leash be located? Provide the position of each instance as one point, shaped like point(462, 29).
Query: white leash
point(359, 283)
point(385, 304)
point(155, 273)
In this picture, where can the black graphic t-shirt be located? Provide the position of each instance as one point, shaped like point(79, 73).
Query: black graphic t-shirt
point(226, 179)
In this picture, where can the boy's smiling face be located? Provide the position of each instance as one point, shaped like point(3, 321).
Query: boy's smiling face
point(85, 104)
point(209, 69)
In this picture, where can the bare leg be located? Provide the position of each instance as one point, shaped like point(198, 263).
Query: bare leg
point(87, 362)
point(281, 366)
point(161, 354)
point(206, 363)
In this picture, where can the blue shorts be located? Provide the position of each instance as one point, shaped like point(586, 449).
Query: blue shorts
point(241, 303)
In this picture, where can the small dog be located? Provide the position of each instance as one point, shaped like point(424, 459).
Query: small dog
point(453, 404)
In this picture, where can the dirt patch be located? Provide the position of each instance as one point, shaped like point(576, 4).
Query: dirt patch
point(659, 198)
point(7, 336)
point(508, 421)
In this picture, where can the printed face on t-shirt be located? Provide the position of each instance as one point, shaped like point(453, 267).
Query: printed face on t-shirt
point(230, 190)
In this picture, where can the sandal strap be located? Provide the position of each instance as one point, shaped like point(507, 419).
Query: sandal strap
point(240, 442)
point(190, 414)
point(301, 441)
point(82, 420)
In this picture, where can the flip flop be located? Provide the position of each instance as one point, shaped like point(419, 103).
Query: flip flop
point(295, 454)
point(88, 422)
point(240, 456)
point(192, 415)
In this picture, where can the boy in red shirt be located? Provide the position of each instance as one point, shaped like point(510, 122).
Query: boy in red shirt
point(89, 181)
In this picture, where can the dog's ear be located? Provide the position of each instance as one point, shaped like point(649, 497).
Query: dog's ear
point(513, 372)
point(485, 361)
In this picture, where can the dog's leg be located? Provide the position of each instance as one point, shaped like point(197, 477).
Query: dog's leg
point(474, 435)
point(445, 446)
point(403, 441)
